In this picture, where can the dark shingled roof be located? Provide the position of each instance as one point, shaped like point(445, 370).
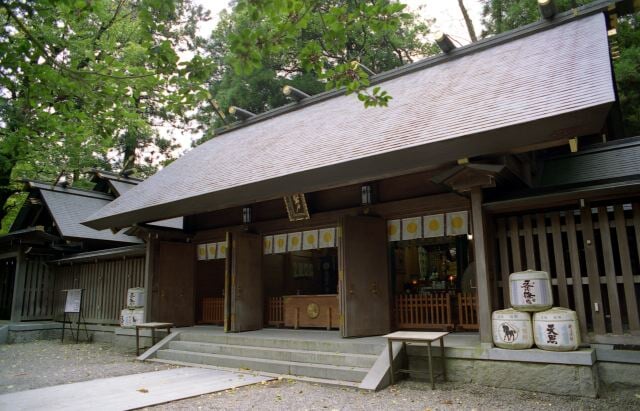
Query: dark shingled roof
point(542, 83)
point(70, 206)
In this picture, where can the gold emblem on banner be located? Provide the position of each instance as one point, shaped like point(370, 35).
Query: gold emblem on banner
point(313, 310)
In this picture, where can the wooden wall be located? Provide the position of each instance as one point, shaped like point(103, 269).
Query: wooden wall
point(209, 281)
point(592, 255)
point(37, 301)
point(105, 282)
point(278, 278)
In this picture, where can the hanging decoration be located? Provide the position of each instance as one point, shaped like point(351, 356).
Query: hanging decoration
point(458, 223)
point(202, 252)
point(267, 244)
point(327, 237)
point(212, 249)
point(294, 241)
point(411, 228)
point(221, 251)
point(279, 243)
point(310, 240)
point(433, 226)
point(393, 230)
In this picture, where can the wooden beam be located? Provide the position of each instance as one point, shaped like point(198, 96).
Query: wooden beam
point(482, 277)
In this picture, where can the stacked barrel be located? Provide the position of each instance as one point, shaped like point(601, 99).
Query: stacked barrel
point(551, 328)
point(134, 313)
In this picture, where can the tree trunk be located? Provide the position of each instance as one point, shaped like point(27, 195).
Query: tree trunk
point(467, 20)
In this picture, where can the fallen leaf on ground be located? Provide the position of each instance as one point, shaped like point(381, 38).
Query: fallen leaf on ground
point(143, 390)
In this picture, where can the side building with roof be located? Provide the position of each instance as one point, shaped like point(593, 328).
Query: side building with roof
point(48, 250)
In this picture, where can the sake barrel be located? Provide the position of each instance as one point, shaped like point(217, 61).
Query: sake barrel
point(512, 329)
point(530, 291)
point(130, 317)
point(556, 329)
point(135, 297)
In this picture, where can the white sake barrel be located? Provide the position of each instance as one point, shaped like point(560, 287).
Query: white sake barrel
point(130, 317)
point(135, 297)
point(556, 329)
point(530, 291)
point(512, 329)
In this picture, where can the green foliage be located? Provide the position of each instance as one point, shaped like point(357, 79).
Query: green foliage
point(627, 69)
point(85, 83)
point(317, 42)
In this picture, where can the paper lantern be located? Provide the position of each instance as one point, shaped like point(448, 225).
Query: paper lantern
point(327, 237)
point(222, 249)
point(457, 223)
point(310, 240)
point(279, 243)
point(212, 249)
point(411, 228)
point(294, 241)
point(267, 244)
point(433, 226)
point(202, 252)
point(393, 230)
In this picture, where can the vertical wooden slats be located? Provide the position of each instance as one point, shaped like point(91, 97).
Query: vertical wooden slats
point(610, 270)
point(543, 247)
point(589, 244)
point(467, 311)
point(504, 261)
point(514, 233)
point(105, 282)
point(558, 252)
point(38, 285)
point(631, 299)
point(213, 310)
point(576, 273)
point(423, 311)
point(528, 243)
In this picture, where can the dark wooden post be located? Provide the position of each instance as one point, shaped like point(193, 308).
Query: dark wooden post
point(18, 287)
point(482, 276)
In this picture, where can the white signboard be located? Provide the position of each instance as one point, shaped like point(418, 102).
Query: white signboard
point(74, 297)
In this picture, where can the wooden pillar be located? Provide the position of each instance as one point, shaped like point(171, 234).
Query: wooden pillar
point(148, 277)
point(18, 287)
point(482, 275)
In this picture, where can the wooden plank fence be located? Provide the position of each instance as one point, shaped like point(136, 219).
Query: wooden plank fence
point(37, 302)
point(213, 310)
point(274, 311)
point(467, 311)
point(423, 311)
point(592, 256)
point(105, 282)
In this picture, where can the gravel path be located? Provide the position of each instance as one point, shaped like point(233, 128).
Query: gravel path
point(45, 363)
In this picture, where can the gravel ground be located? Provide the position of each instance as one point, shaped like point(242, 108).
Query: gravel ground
point(45, 363)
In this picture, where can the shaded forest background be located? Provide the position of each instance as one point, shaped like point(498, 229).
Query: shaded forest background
point(94, 83)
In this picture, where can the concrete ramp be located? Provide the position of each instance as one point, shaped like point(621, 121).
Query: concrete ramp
point(129, 391)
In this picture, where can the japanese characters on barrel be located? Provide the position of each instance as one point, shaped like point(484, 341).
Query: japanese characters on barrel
point(134, 313)
point(554, 329)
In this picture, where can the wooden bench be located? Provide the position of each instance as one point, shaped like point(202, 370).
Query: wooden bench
point(153, 327)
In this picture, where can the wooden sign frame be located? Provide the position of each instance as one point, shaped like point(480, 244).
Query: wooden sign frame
point(296, 205)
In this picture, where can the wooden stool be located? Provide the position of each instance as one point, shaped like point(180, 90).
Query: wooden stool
point(153, 327)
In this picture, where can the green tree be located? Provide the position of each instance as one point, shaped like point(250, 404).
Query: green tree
point(85, 83)
point(328, 40)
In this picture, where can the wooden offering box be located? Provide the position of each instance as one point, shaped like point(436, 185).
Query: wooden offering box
point(311, 311)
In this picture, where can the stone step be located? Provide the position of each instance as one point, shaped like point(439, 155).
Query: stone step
point(280, 354)
point(284, 343)
point(321, 381)
point(329, 372)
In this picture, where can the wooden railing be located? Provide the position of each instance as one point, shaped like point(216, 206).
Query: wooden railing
point(423, 311)
point(274, 311)
point(213, 310)
point(467, 311)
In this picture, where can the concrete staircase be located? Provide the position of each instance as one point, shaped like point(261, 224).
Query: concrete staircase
point(338, 362)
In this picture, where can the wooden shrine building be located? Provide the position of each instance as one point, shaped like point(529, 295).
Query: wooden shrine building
point(496, 157)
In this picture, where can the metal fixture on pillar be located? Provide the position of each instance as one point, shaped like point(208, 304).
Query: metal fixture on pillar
point(547, 8)
point(240, 113)
point(246, 215)
point(444, 42)
point(294, 93)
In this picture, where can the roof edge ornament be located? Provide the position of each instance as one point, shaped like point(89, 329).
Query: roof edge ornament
point(294, 93)
point(444, 42)
point(240, 113)
point(547, 8)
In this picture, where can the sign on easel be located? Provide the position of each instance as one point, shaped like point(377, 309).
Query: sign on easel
point(73, 305)
point(74, 299)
